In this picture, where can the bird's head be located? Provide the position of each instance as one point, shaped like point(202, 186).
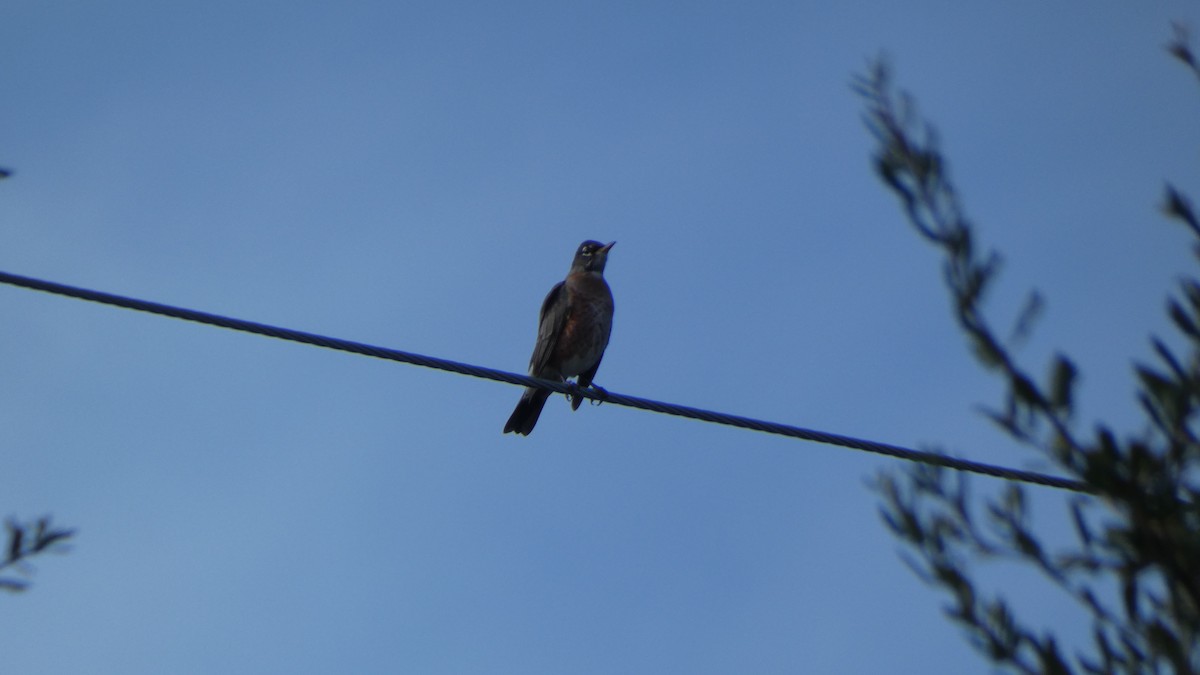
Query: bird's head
point(591, 256)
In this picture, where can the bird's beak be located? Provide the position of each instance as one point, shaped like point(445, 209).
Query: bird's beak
point(604, 248)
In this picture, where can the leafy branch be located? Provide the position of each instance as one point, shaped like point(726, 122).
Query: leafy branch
point(26, 541)
point(1139, 535)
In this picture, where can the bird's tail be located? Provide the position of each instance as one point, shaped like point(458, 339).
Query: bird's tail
point(528, 409)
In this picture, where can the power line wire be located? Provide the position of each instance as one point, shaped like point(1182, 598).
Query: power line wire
point(526, 381)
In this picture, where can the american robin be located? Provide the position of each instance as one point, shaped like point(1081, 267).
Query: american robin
point(573, 330)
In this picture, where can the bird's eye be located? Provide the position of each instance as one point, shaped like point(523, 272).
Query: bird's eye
point(586, 251)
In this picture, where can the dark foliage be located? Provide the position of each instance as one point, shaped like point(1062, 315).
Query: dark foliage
point(24, 542)
point(1134, 565)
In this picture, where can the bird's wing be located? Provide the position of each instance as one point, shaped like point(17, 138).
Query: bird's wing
point(585, 379)
point(550, 322)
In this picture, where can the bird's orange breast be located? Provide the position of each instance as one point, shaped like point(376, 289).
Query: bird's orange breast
point(587, 326)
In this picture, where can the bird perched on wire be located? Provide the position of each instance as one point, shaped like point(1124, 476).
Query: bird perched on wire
point(573, 331)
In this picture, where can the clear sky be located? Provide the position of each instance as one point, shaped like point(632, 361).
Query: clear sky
point(417, 175)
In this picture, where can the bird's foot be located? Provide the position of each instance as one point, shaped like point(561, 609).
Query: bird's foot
point(573, 394)
point(601, 394)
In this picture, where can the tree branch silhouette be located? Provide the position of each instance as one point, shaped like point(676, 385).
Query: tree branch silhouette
point(1134, 566)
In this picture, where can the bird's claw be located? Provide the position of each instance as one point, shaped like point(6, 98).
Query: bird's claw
point(601, 394)
point(575, 394)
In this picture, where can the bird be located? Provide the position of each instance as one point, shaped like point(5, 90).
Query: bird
point(573, 330)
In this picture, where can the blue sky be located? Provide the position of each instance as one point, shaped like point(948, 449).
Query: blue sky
point(417, 175)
